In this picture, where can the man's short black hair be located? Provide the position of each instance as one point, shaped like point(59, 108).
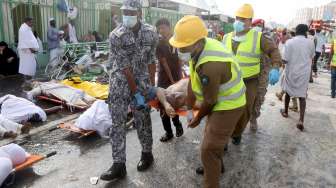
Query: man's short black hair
point(162, 21)
point(301, 29)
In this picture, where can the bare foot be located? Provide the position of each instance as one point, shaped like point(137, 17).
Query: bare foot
point(283, 113)
point(300, 126)
point(279, 96)
point(10, 134)
point(25, 129)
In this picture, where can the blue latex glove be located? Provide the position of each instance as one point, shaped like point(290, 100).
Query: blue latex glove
point(274, 76)
point(151, 93)
point(140, 100)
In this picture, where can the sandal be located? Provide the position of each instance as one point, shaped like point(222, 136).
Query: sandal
point(283, 113)
point(300, 126)
point(294, 109)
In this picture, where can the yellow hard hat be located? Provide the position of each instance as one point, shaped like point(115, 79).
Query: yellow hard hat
point(188, 31)
point(245, 11)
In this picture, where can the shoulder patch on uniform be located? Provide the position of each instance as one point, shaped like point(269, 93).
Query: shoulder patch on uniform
point(205, 80)
point(267, 36)
point(149, 27)
point(119, 31)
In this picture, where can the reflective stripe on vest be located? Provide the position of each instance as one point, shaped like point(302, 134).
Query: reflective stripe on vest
point(333, 62)
point(231, 95)
point(249, 57)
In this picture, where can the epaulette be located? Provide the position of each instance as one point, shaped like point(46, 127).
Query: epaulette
point(119, 31)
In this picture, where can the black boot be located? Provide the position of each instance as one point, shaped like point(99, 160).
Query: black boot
point(200, 170)
point(179, 131)
point(116, 172)
point(166, 137)
point(145, 161)
point(236, 140)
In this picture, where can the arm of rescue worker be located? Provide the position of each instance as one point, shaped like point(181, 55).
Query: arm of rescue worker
point(269, 47)
point(212, 76)
point(119, 57)
point(153, 59)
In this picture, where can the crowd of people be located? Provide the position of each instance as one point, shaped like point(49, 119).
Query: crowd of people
point(227, 82)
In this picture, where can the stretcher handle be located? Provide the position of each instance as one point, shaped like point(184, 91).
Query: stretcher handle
point(51, 154)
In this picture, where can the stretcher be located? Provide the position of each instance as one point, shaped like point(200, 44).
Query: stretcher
point(70, 126)
point(59, 102)
point(32, 159)
point(181, 112)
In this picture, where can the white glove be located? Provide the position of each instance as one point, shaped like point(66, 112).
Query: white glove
point(190, 116)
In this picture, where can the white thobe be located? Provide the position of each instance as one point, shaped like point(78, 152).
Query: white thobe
point(299, 53)
point(7, 125)
point(18, 109)
point(72, 34)
point(27, 41)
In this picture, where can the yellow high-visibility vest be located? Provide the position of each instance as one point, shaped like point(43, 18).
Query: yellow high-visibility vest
point(231, 95)
point(333, 62)
point(248, 52)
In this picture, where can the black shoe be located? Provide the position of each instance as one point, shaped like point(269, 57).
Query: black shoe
point(145, 161)
point(116, 172)
point(236, 140)
point(200, 170)
point(166, 137)
point(179, 131)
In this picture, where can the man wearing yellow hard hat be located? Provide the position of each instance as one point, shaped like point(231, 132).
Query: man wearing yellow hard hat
point(248, 46)
point(215, 82)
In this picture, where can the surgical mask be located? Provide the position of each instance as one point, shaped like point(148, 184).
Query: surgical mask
point(257, 28)
point(239, 38)
point(238, 26)
point(130, 21)
point(186, 57)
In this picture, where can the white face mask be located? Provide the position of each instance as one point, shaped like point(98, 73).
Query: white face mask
point(130, 21)
point(186, 57)
point(257, 28)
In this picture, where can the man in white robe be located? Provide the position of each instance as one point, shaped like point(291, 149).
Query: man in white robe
point(72, 32)
point(27, 47)
point(298, 56)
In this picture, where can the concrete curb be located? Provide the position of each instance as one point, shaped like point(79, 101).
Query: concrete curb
point(42, 128)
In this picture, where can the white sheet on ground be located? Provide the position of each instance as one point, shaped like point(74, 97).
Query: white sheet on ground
point(97, 118)
point(71, 96)
point(6, 167)
point(7, 125)
point(18, 109)
point(15, 153)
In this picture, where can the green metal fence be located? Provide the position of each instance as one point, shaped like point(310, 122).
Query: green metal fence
point(92, 15)
point(153, 14)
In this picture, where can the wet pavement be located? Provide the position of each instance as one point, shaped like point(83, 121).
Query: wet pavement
point(278, 155)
